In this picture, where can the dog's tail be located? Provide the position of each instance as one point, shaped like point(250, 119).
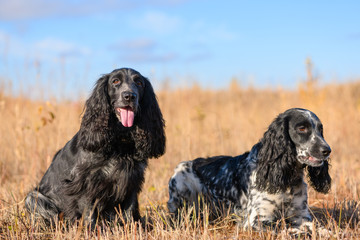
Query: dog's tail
point(41, 206)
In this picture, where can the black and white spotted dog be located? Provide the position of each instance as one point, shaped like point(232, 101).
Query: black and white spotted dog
point(266, 184)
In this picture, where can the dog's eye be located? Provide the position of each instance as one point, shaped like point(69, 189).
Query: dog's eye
point(116, 81)
point(138, 82)
point(303, 129)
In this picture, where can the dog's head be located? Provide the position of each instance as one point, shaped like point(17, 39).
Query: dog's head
point(306, 132)
point(123, 101)
point(293, 140)
point(125, 89)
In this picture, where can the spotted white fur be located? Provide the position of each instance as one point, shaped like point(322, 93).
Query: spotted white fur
point(232, 181)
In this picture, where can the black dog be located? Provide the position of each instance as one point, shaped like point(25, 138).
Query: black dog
point(100, 171)
point(266, 184)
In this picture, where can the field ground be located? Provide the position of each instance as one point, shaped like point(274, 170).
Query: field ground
point(198, 123)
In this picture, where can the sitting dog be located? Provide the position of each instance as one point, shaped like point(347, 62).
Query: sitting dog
point(100, 171)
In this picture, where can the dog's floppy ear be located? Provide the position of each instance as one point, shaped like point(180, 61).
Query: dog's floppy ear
point(276, 158)
point(150, 134)
point(319, 177)
point(94, 125)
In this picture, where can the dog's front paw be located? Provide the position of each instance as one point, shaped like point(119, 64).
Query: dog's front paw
point(295, 233)
point(307, 229)
point(324, 233)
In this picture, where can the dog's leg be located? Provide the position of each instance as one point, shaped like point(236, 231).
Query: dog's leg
point(299, 215)
point(41, 206)
point(184, 185)
point(130, 208)
point(174, 202)
point(260, 210)
point(302, 223)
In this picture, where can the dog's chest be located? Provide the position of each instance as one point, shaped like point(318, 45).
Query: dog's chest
point(123, 169)
point(279, 203)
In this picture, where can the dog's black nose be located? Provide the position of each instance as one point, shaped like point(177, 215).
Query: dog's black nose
point(325, 150)
point(128, 96)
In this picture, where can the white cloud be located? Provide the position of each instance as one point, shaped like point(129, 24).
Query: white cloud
point(148, 57)
point(29, 9)
point(223, 33)
point(202, 31)
point(139, 44)
point(141, 50)
point(52, 44)
point(11, 45)
point(4, 36)
point(54, 48)
point(45, 49)
point(157, 22)
point(25, 9)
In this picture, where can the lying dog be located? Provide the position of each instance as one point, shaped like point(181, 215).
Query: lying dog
point(267, 183)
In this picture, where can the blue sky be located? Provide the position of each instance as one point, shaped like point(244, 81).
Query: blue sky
point(65, 45)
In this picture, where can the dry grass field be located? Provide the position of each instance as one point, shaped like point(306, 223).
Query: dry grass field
point(198, 123)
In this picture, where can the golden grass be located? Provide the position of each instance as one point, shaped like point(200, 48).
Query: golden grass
point(198, 123)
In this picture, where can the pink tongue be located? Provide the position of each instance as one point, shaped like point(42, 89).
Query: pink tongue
point(127, 117)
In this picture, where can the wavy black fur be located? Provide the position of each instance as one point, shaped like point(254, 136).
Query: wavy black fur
point(277, 158)
point(100, 171)
point(319, 177)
